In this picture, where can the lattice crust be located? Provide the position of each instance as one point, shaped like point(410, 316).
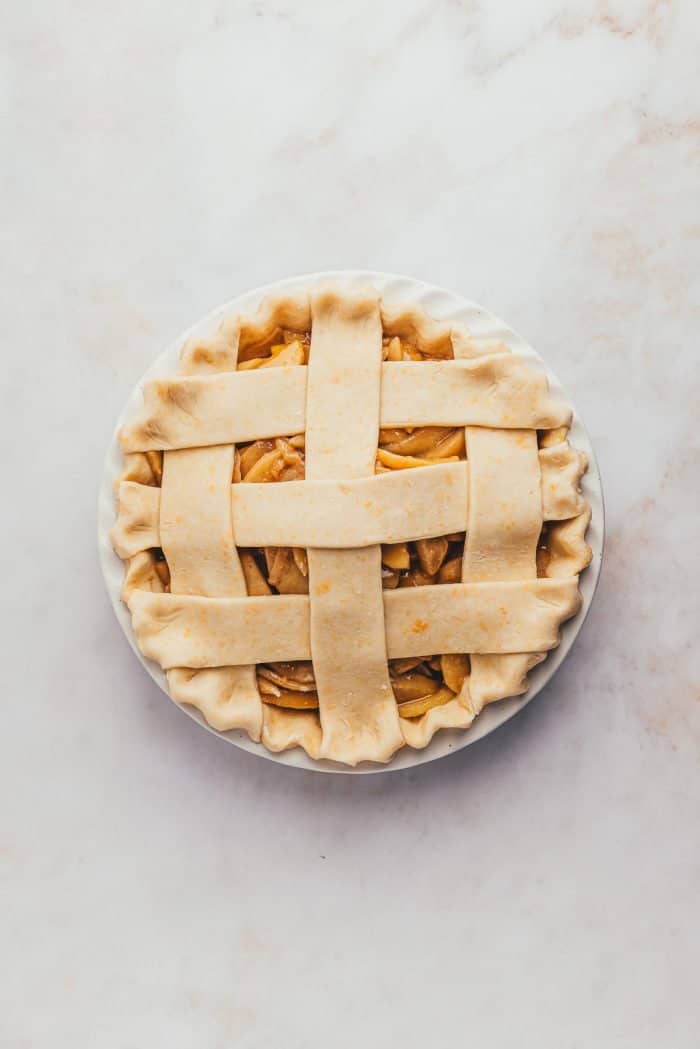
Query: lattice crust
point(343, 610)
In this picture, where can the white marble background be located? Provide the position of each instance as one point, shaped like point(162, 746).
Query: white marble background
point(160, 888)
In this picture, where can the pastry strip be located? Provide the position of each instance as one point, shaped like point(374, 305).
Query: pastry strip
point(478, 617)
point(217, 408)
point(498, 390)
point(384, 508)
point(459, 617)
point(358, 712)
point(505, 505)
point(196, 535)
point(505, 521)
point(388, 508)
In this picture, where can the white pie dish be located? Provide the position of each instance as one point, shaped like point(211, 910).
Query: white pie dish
point(442, 305)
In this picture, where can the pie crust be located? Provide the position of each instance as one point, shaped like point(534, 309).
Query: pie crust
point(360, 601)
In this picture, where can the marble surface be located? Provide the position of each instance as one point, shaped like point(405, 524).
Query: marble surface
point(162, 888)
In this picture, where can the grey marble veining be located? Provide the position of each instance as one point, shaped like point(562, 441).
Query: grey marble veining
point(160, 887)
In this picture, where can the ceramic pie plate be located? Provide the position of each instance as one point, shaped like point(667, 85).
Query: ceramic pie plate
point(443, 305)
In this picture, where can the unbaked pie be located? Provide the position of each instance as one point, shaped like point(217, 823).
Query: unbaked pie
point(346, 525)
